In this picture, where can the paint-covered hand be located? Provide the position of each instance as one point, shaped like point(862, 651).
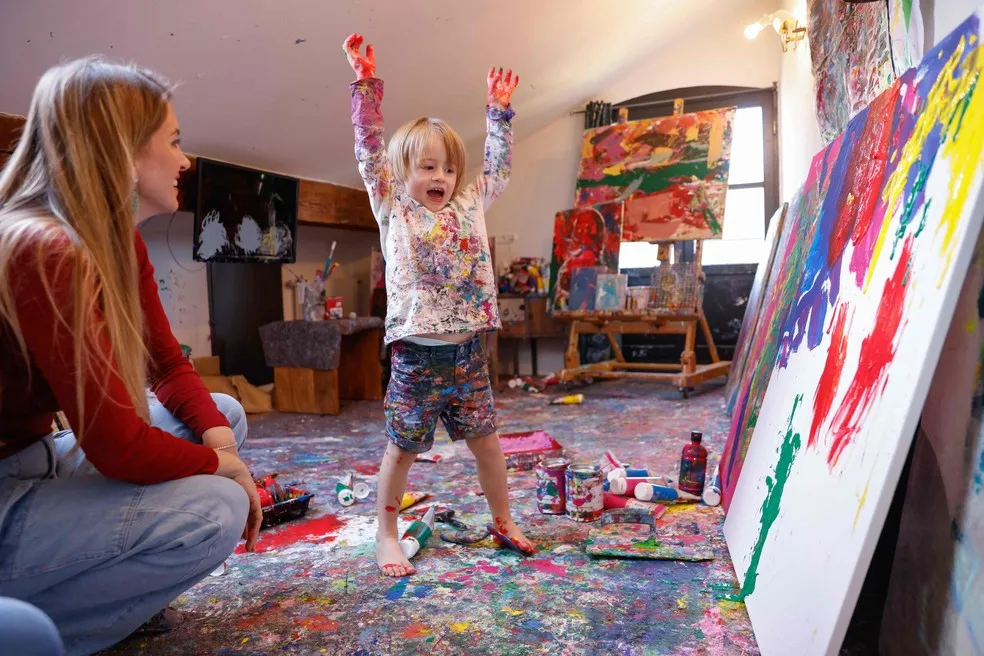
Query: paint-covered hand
point(364, 66)
point(501, 87)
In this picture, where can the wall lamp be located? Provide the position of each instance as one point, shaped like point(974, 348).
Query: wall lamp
point(785, 25)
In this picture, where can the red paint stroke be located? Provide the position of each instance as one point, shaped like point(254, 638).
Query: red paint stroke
point(390, 509)
point(367, 470)
point(417, 630)
point(317, 623)
point(830, 377)
point(547, 567)
point(312, 531)
point(877, 351)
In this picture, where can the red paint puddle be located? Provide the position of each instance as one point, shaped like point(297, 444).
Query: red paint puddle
point(317, 624)
point(547, 567)
point(416, 631)
point(312, 531)
point(831, 374)
point(877, 352)
point(367, 470)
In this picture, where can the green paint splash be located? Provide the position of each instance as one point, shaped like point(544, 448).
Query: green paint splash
point(770, 507)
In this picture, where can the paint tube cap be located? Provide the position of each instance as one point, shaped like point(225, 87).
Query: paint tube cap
point(616, 473)
point(618, 485)
point(409, 546)
point(360, 490)
point(346, 498)
point(712, 496)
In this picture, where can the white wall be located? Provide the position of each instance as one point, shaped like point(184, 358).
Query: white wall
point(545, 163)
point(183, 284)
point(798, 128)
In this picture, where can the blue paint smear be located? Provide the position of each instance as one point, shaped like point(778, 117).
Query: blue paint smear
point(422, 591)
point(396, 592)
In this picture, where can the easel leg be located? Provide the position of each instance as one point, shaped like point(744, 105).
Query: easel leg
point(572, 359)
point(688, 359)
point(616, 351)
point(706, 329)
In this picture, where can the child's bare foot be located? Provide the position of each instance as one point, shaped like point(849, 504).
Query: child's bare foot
point(511, 531)
point(390, 558)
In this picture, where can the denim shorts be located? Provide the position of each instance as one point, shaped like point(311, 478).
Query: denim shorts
point(427, 383)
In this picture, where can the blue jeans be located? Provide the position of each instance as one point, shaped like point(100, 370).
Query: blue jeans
point(26, 631)
point(100, 556)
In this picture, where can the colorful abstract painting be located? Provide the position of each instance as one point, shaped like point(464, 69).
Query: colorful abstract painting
point(852, 59)
point(672, 172)
point(583, 237)
point(610, 294)
point(897, 209)
point(584, 285)
point(936, 595)
point(905, 24)
point(761, 286)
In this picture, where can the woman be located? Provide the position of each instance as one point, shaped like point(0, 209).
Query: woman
point(103, 525)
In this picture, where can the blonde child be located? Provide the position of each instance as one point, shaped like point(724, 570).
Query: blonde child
point(440, 288)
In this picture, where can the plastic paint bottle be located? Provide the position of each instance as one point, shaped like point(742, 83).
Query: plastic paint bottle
point(627, 486)
point(661, 493)
point(573, 399)
point(712, 491)
point(693, 465)
point(627, 472)
point(417, 534)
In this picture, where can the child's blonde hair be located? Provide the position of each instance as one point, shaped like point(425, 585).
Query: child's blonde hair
point(408, 142)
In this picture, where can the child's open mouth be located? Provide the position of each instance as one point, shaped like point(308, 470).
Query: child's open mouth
point(435, 194)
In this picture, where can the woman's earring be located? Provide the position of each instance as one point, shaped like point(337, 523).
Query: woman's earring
point(135, 197)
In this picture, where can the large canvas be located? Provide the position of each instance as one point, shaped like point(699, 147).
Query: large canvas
point(672, 172)
point(753, 306)
point(583, 237)
point(894, 237)
point(852, 59)
point(905, 25)
point(936, 597)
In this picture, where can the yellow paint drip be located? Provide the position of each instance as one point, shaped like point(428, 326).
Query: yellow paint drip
point(459, 627)
point(964, 154)
point(861, 501)
point(940, 104)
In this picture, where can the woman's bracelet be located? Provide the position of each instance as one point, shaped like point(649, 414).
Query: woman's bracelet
point(227, 446)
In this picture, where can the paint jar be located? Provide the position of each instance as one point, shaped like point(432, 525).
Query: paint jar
point(693, 465)
point(585, 500)
point(551, 486)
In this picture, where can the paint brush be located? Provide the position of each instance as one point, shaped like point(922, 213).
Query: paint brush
point(331, 257)
point(416, 536)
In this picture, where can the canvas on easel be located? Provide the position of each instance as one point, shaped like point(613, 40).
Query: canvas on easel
point(583, 237)
point(858, 347)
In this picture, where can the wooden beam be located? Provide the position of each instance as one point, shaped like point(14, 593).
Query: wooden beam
point(319, 203)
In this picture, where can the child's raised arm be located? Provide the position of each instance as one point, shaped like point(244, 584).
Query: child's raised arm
point(499, 138)
point(367, 119)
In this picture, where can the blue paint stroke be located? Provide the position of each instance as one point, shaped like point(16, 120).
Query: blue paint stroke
point(396, 592)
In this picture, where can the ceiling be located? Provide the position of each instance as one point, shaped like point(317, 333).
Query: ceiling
point(264, 82)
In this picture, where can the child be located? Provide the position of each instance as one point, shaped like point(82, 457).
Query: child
point(440, 288)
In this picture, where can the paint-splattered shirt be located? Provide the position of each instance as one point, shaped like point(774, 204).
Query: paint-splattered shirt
point(439, 273)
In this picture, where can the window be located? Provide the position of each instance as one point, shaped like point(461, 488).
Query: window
point(753, 184)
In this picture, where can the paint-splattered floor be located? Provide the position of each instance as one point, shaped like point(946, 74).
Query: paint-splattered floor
point(315, 588)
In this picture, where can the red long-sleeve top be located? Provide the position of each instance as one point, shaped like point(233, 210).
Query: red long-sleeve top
point(116, 440)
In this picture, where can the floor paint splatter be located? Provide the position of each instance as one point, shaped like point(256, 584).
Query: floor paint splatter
point(314, 588)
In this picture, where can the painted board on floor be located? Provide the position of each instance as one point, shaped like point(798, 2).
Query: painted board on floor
point(935, 599)
point(753, 306)
point(583, 237)
point(893, 241)
point(672, 172)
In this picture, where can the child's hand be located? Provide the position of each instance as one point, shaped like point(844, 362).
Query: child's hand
point(363, 66)
point(501, 88)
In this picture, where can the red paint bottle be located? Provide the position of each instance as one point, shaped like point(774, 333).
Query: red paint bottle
point(693, 465)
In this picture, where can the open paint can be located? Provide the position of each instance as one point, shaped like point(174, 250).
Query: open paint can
point(551, 486)
point(585, 494)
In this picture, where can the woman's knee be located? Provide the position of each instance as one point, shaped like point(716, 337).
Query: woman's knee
point(233, 410)
point(26, 630)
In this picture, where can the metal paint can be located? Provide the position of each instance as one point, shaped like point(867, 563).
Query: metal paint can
point(585, 494)
point(551, 477)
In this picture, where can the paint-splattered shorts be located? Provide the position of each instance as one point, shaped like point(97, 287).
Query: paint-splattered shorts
point(427, 383)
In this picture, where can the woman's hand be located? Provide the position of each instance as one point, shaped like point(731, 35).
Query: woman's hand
point(363, 66)
point(232, 467)
point(501, 88)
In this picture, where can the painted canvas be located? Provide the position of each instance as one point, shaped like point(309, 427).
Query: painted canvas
point(584, 285)
point(672, 172)
point(897, 221)
point(753, 306)
point(610, 294)
point(852, 59)
point(936, 596)
point(583, 237)
point(905, 25)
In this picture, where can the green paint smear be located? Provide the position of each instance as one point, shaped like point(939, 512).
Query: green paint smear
point(711, 221)
point(922, 221)
point(910, 205)
point(653, 180)
point(770, 507)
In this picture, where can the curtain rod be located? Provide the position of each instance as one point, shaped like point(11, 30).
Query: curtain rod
point(686, 99)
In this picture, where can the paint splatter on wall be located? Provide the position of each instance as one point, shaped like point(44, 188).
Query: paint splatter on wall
point(885, 229)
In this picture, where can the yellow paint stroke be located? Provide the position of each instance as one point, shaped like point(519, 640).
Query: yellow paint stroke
point(245, 640)
point(459, 627)
point(715, 146)
point(861, 500)
point(693, 132)
point(730, 605)
point(941, 104)
point(675, 508)
point(512, 611)
point(575, 613)
point(964, 153)
point(681, 603)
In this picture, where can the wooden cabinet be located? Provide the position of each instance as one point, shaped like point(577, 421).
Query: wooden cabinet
point(525, 318)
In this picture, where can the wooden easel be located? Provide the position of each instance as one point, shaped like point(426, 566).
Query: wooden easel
point(682, 321)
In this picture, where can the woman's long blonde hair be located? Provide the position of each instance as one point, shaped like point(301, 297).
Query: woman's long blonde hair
point(70, 180)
